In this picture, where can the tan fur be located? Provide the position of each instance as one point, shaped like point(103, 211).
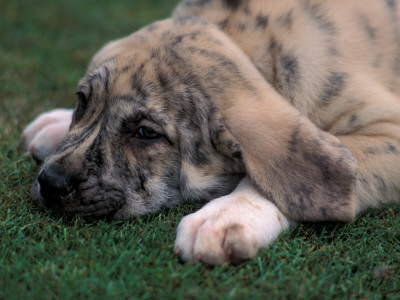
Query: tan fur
point(301, 98)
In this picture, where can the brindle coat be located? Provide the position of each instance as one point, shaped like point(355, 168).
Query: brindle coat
point(299, 98)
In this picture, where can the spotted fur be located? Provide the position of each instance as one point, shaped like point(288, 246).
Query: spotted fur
point(297, 100)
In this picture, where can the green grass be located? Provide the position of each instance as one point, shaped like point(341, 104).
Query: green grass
point(44, 49)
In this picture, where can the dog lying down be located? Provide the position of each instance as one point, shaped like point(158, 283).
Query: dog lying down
point(273, 111)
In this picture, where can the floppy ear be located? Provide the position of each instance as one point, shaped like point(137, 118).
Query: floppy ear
point(305, 171)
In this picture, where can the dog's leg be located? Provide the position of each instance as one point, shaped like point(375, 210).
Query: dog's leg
point(375, 143)
point(230, 228)
point(42, 136)
point(378, 179)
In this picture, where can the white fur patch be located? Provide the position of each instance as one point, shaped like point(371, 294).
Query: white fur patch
point(230, 228)
point(46, 132)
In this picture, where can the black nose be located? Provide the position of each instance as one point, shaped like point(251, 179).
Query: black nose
point(54, 184)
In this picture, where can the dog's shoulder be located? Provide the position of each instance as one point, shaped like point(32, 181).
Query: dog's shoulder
point(314, 53)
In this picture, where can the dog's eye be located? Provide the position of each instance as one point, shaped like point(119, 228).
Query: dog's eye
point(82, 100)
point(146, 133)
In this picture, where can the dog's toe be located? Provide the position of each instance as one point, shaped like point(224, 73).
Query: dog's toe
point(46, 132)
point(229, 229)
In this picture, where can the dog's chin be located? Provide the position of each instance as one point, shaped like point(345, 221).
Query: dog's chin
point(69, 206)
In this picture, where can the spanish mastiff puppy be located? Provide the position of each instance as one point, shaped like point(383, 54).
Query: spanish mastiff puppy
point(274, 111)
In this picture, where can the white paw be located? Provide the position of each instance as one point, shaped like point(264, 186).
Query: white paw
point(230, 229)
point(42, 136)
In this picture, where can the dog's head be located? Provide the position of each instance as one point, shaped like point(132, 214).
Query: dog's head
point(145, 132)
point(177, 111)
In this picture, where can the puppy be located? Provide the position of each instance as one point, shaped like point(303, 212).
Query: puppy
point(273, 111)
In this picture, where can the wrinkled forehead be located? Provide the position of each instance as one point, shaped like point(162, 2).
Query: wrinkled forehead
point(145, 57)
point(132, 47)
point(166, 34)
point(126, 90)
point(173, 66)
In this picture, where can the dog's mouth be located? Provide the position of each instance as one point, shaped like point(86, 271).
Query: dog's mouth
point(89, 205)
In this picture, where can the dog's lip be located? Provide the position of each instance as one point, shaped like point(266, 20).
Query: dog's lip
point(57, 202)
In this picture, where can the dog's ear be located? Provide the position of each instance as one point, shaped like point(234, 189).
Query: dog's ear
point(305, 171)
point(211, 158)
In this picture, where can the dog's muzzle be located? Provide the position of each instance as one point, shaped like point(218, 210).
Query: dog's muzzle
point(54, 185)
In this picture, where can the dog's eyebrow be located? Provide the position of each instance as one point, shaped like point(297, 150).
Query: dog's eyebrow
point(137, 114)
point(101, 74)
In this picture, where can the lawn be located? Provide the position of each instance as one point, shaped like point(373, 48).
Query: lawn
point(45, 46)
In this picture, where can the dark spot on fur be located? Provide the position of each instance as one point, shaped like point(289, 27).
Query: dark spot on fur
point(371, 151)
point(223, 65)
point(187, 20)
point(269, 196)
point(316, 14)
point(93, 78)
point(152, 27)
point(380, 184)
point(396, 62)
point(290, 70)
point(386, 149)
point(274, 46)
point(275, 49)
point(193, 35)
point(364, 181)
point(335, 83)
point(293, 141)
point(303, 193)
point(353, 121)
point(286, 20)
point(163, 79)
point(137, 81)
point(155, 54)
point(222, 24)
point(366, 26)
point(138, 86)
point(142, 181)
point(391, 4)
point(238, 155)
point(232, 4)
point(177, 40)
point(392, 148)
point(326, 177)
point(71, 142)
point(94, 154)
point(200, 156)
point(125, 69)
point(333, 50)
point(242, 27)
point(235, 150)
point(261, 21)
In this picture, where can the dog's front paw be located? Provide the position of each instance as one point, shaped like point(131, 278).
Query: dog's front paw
point(42, 136)
point(229, 229)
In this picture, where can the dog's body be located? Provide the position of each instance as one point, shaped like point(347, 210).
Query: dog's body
point(298, 100)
